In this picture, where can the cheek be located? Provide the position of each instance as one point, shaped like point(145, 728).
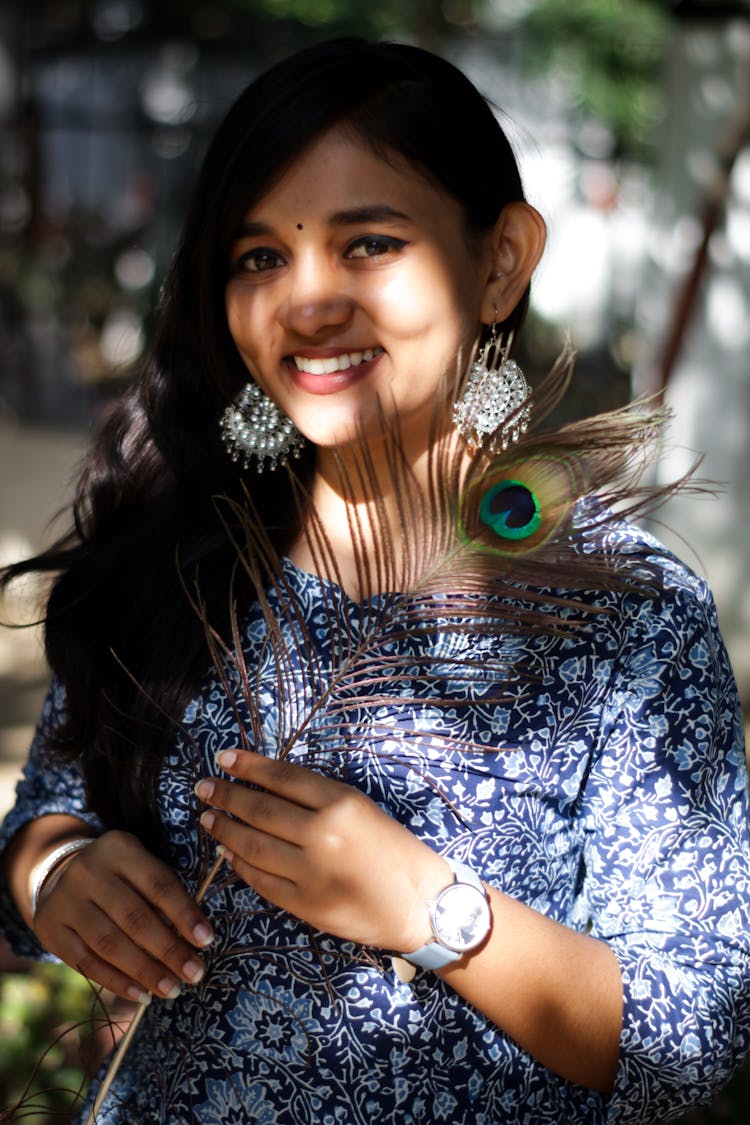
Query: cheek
point(235, 320)
point(252, 338)
point(433, 300)
point(411, 308)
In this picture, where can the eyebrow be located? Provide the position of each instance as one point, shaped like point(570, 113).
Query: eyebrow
point(370, 213)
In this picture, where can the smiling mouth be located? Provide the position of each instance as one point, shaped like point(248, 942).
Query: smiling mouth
point(334, 363)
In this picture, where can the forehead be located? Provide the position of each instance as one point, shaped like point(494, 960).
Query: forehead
point(340, 171)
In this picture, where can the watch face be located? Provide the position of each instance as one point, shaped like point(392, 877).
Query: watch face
point(461, 917)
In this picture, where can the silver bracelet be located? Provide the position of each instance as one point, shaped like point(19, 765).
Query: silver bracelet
point(42, 871)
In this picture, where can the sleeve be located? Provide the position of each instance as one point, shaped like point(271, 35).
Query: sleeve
point(47, 785)
point(667, 859)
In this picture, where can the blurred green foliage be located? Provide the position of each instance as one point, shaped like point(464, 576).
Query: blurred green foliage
point(47, 1048)
point(609, 56)
point(357, 18)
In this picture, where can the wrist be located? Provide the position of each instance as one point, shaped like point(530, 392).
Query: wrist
point(46, 871)
point(459, 920)
point(416, 930)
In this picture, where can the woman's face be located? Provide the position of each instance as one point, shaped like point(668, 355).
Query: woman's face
point(353, 282)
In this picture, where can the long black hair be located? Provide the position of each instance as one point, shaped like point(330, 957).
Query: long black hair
point(120, 632)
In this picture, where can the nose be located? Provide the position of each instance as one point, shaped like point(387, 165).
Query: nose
point(316, 302)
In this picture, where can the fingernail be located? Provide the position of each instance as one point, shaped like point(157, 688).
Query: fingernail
point(203, 934)
point(193, 971)
point(138, 995)
point(169, 988)
point(226, 759)
point(207, 820)
point(204, 790)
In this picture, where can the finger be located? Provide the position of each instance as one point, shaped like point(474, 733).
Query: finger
point(89, 966)
point(166, 949)
point(253, 847)
point(266, 811)
point(296, 783)
point(100, 950)
point(86, 962)
point(128, 930)
point(152, 879)
point(274, 888)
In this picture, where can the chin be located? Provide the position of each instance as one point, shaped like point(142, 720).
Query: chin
point(344, 432)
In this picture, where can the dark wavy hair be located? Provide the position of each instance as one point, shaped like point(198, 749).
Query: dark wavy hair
point(120, 632)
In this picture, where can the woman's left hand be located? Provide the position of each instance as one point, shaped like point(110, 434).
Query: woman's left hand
point(323, 851)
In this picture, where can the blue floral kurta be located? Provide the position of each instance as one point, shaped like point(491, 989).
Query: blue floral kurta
point(603, 784)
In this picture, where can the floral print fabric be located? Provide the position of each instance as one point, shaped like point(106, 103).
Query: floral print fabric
point(604, 786)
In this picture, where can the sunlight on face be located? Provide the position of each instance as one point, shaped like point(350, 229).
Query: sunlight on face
point(354, 281)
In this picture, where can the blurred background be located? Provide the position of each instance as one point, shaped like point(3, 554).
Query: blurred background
point(632, 123)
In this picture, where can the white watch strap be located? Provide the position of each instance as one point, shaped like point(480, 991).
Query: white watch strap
point(465, 874)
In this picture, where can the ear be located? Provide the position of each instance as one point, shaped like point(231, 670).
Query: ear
point(517, 241)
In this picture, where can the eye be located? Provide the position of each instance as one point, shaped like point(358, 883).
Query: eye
point(259, 260)
point(374, 246)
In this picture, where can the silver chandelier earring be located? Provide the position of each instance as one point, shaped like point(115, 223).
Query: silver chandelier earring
point(494, 402)
point(254, 430)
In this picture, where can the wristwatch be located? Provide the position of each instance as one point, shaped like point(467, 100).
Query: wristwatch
point(460, 918)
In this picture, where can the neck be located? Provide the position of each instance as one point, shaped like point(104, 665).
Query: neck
point(370, 511)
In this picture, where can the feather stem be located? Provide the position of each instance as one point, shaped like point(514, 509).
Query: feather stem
point(117, 1058)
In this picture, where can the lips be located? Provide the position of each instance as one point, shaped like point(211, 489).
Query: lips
point(329, 365)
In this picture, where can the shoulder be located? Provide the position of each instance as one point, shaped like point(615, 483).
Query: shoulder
point(656, 583)
point(660, 616)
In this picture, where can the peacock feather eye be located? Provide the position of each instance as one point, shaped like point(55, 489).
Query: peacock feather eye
point(510, 509)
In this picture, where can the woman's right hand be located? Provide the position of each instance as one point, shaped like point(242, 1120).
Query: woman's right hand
point(121, 917)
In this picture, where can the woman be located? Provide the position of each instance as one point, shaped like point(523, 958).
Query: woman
point(484, 830)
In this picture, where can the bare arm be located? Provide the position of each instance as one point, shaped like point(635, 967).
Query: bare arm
point(557, 992)
point(29, 846)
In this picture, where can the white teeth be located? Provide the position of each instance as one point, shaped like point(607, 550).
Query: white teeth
point(334, 363)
